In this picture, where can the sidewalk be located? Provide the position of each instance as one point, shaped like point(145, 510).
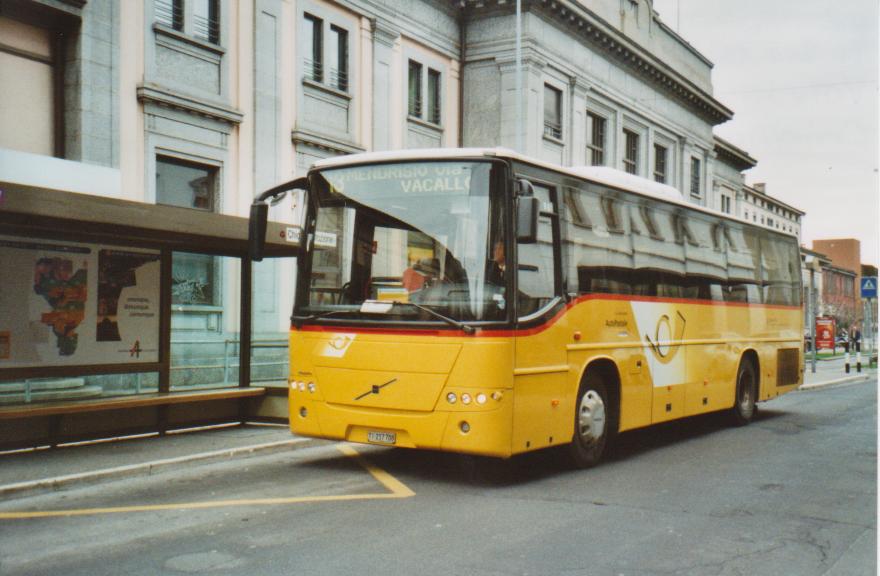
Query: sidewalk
point(831, 372)
point(53, 468)
point(48, 469)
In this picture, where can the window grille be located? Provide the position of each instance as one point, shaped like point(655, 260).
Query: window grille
point(597, 140)
point(169, 13)
point(631, 159)
point(552, 112)
point(660, 154)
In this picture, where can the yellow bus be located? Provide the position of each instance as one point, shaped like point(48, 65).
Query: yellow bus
point(479, 301)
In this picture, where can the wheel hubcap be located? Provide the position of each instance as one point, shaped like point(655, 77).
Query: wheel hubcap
point(591, 417)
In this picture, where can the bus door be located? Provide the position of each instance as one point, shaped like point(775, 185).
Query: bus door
point(543, 415)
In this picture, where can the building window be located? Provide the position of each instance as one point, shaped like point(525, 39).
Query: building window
point(199, 18)
point(325, 56)
point(185, 184)
point(695, 177)
point(32, 80)
point(725, 204)
point(433, 96)
point(313, 38)
point(597, 139)
point(206, 20)
point(170, 13)
point(194, 280)
point(631, 152)
point(415, 89)
point(424, 93)
point(338, 58)
point(660, 156)
point(552, 112)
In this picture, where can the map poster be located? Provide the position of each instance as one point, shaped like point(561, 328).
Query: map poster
point(70, 303)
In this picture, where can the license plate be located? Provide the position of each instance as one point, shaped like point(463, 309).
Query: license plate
point(382, 437)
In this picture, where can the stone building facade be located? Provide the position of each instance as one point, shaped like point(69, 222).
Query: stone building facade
point(205, 103)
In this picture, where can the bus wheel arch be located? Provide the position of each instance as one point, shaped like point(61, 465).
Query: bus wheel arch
point(747, 388)
point(596, 414)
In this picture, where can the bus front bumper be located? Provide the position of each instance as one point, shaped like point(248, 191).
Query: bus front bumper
point(484, 430)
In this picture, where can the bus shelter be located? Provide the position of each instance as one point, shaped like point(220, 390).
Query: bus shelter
point(120, 317)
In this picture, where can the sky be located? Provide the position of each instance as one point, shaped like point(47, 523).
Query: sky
point(802, 79)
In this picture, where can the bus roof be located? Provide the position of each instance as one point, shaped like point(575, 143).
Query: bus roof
point(599, 174)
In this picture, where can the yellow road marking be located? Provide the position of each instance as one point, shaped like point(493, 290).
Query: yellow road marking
point(396, 488)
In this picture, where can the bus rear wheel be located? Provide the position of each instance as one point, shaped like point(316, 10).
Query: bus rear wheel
point(591, 425)
point(744, 406)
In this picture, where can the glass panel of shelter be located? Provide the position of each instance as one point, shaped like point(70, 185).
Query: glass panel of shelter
point(205, 321)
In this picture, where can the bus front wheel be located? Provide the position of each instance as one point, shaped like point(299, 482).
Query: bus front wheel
point(591, 426)
point(744, 406)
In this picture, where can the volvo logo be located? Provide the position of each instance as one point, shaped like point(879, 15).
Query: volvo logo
point(375, 389)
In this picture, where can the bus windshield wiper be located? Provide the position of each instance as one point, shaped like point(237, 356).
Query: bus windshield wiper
point(318, 315)
point(460, 325)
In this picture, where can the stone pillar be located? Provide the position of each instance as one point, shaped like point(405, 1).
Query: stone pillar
point(385, 35)
point(576, 155)
point(529, 121)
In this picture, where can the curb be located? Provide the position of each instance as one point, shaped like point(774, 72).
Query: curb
point(844, 380)
point(148, 468)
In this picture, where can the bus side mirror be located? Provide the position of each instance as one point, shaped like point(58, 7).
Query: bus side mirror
point(527, 210)
point(527, 219)
point(257, 230)
point(259, 216)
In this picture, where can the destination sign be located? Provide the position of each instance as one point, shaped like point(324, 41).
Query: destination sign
point(403, 179)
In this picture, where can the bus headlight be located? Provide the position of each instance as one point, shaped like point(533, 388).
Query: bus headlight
point(451, 398)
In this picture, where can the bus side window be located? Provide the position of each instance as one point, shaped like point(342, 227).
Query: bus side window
point(536, 270)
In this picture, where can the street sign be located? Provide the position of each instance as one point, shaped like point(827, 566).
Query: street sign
point(869, 287)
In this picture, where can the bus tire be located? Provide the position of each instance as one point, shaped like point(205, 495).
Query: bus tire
point(591, 422)
point(744, 406)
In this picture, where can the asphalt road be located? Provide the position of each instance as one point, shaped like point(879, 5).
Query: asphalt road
point(794, 493)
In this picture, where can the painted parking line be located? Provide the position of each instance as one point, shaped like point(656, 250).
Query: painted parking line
point(396, 489)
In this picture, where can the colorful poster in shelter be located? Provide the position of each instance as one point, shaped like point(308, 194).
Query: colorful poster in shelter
point(71, 303)
point(825, 333)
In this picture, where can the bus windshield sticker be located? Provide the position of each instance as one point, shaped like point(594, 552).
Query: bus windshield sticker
point(376, 307)
point(291, 234)
point(325, 239)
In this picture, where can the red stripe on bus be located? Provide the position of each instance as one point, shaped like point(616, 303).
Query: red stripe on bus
point(537, 329)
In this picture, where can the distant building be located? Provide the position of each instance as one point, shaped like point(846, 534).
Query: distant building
point(760, 208)
point(812, 272)
point(845, 254)
point(839, 296)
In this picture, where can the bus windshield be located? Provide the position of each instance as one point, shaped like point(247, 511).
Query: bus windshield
point(427, 236)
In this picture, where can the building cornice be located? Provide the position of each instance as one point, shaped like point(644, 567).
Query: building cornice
point(323, 142)
point(736, 157)
point(168, 98)
point(591, 28)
